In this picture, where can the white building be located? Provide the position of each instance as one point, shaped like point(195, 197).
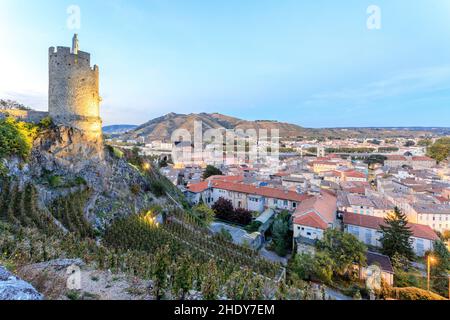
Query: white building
point(367, 229)
point(314, 216)
point(245, 196)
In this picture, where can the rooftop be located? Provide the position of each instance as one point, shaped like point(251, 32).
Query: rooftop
point(384, 262)
point(370, 222)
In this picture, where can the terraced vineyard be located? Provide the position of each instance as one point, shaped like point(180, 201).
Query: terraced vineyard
point(184, 235)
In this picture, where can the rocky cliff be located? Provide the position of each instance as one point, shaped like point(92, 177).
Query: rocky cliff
point(14, 288)
point(64, 161)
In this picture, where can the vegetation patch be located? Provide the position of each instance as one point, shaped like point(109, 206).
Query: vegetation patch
point(16, 138)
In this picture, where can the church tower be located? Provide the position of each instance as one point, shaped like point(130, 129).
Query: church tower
point(74, 99)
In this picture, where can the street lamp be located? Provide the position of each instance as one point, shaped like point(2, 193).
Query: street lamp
point(430, 261)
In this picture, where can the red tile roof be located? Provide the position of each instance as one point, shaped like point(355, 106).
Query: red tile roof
point(396, 157)
point(226, 178)
point(324, 205)
point(354, 174)
point(250, 189)
point(311, 219)
point(262, 191)
point(198, 187)
point(418, 230)
point(327, 163)
point(422, 158)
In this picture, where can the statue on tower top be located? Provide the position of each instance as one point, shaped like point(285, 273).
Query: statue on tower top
point(75, 44)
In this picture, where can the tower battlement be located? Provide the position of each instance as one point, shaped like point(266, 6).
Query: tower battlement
point(74, 98)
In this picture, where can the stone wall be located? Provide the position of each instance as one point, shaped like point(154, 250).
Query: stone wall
point(24, 115)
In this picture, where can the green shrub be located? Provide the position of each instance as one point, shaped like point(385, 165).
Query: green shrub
point(412, 293)
point(3, 170)
point(204, 213)
point(158, 188)
point(80, 181)
point(73, 295)
point(16, 138)
point(46, 123)
point(135, 189)
point(253, 227)
point(55, 181)
point(117, 153)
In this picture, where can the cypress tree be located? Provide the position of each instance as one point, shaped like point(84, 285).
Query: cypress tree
point(4, 199)
point(11, 211)
point(396, 237)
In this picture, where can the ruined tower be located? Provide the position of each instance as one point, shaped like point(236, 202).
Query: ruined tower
point(74, 99)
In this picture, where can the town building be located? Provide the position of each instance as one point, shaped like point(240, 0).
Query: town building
point(415, 162)
point(368, 230)
point(251, 197)
point(314, 216)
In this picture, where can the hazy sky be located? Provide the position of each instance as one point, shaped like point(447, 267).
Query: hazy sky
point(313, 63)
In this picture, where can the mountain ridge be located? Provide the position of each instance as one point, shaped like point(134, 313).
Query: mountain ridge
point(161, 128)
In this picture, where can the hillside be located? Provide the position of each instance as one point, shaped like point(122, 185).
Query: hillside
point(162, 128)
point(118, 129)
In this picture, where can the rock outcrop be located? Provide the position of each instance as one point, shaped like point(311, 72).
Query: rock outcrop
point(68, 157)
point(13, 288)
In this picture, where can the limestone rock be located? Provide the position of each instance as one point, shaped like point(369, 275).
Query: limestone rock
point(13, 288)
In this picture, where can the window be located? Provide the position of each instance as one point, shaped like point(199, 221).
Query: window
point(368, 237)
point(420, 247)
point(285, 202)
point(294, 205)
point(354, 231)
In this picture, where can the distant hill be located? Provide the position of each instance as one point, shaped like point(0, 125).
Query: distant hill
point(162, 128)
point(118, 129)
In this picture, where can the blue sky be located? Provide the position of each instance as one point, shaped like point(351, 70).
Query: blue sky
point(313, 63)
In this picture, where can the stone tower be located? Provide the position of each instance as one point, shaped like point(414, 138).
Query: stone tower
point(74, 99)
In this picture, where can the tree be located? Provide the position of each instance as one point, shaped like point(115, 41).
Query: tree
point(425, 143)
point(344, 249)
point(280, 234)
point(224, 209)
point(4, 197)
point(211, 171)
point(410, 143)
point(396, 238)
point(242, 216)
point(303, 266)
point(318, 267)
point(446, 235)
point(440, 150)
point(441, 269)
point(204, 213)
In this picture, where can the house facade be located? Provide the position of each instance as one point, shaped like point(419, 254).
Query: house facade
point(245, 196)
point(415, 162)
point(314, 216)
point(368, 230)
